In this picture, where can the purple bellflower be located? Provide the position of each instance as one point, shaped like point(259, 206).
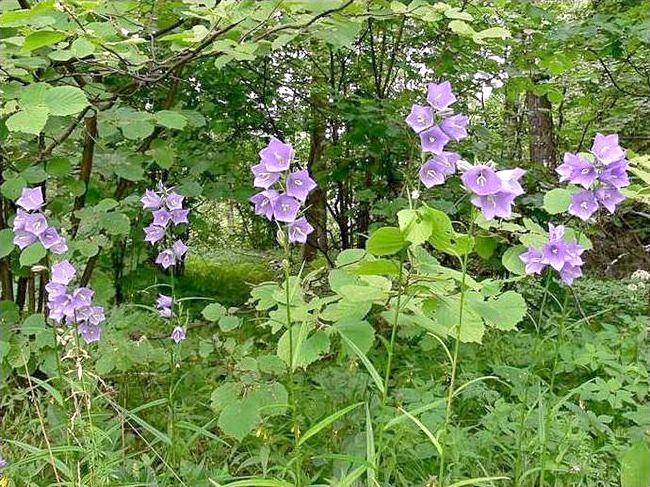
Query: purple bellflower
point(178, 334)
point(558, 253)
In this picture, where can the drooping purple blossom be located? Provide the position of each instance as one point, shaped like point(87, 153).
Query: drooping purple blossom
point(174, 201)
point(609, 197)
point(63, 272)
point(440, 95)
point(89, 332)
point(494, 205)
point(433, 140)
point(179, 216)
point(263, 177)
point(178, 334)
point(154, 233)
point(455, 127)
point(35, 223)
point(31, 199)
point(577, 171)
point(23, 238)
point(151, 200)
point(277, 156)
point(615, 174)
point(299, 184)
point(562, 255)
point(164, 305)
point(583, 204)
point(482, 180)
point(436, 169)
point(161, 217)
point(420, 118)
point(299, 230)
point(493, 192)
point(179, 249)
point(606, 148)
point(285, 208)
point(166, 259)
point(263, 202)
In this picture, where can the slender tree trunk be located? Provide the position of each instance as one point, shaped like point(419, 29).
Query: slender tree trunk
point(85, 168)
point(317, 200)
point(541, 134)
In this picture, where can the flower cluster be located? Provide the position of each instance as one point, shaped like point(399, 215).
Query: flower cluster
point(601, 173)
point(560, 254)
point(274, 168)
point(74, 307)
point(437, 125)
point(167, 209)
point(493, 192)
point(30, 224)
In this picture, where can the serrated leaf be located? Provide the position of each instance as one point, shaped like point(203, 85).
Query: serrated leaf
point(213, 312)
point(359, 332)
point(503, 312)
point(30, 120)
point(414, 227)
point(66, 100)
point(239, 418)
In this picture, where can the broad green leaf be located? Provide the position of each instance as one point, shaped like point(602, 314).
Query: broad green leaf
point(635, 466)
point(137, 129)
point(448, 313)
point(414, 227)
point(42, 38)
point(491, 33)
point(557, 200)
point(58, 167)
point(66, 100)
point(32, 254)
point(385, 241)
point(116, 223)
point(461, 28)
point(239, 418)
point(213, 312)
point(360, 332)
point(367, 363)
point(503, 312)
point(511, 260)
point(13, 187)
point(33, 324)
point(6, 242)
point(171, 120)
point(379, 267)
point(485, 246)
point(229, 323)
point(30, 120)
point(225, 394)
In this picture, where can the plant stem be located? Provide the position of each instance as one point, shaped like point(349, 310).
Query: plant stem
point(454, 363)
point(290, 378)
point(172, 376)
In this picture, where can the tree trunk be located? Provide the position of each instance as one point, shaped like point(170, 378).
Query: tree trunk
point(541, 136)
point(317, 200)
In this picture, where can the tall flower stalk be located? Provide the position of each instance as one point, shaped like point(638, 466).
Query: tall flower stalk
point(283, 193)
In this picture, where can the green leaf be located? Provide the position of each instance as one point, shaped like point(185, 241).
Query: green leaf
point(13, 187)
point(503, 312)
point(228, 323)
point(58, 167)
point(171, 120)
point(225, 394)
point(239, 418)
point(491, 33)
point(6, 242)
point(385, 241)
point(66, 100)
point(557, 200)
point(485, 246)
point(414, 227)
point(443, 236)
point(32, 254)
point(379, 267)
point(447, 313)
point(137, 129)
point(116, 223)
point(42, 38)
point(30, 120)
point(635, 466)
point(33, 324)
point(511, 260)
point(461, 28)
point(360, 332)
point(213, 312)
point(314, 430)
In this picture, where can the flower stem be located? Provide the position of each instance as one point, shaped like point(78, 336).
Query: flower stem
point(290, 379)
point(454, 363)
